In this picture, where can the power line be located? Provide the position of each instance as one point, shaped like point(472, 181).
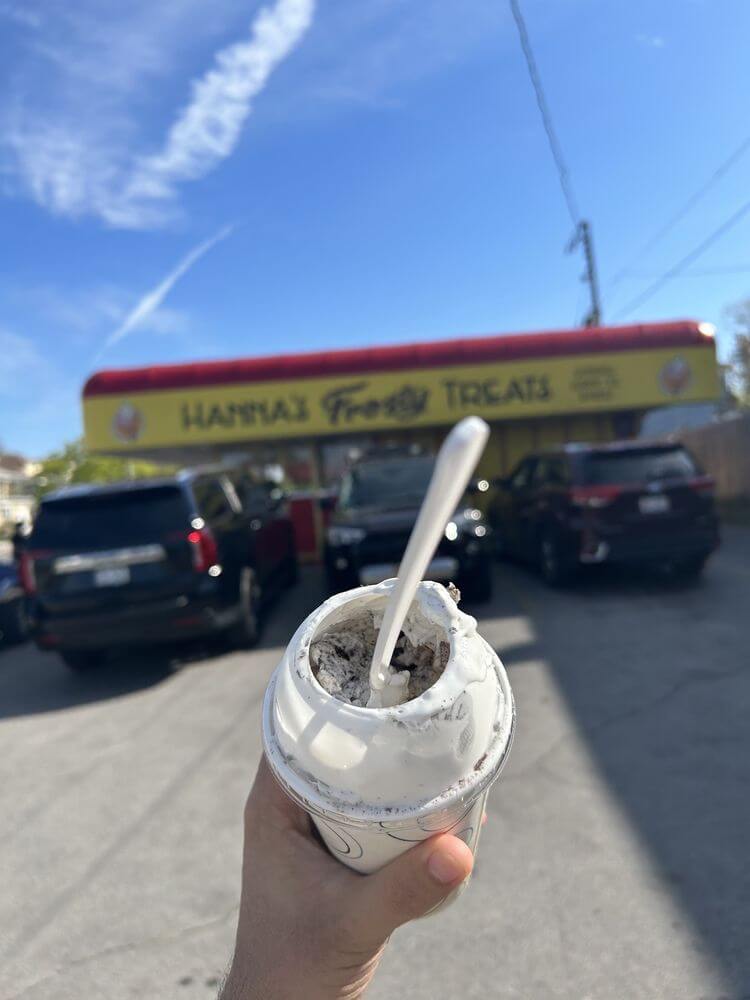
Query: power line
point(682, 212)
point(683, 263)
point(705, 272)
point(582, 229)
point(541, 100)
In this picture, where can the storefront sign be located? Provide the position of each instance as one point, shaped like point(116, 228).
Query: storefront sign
point(311, 407)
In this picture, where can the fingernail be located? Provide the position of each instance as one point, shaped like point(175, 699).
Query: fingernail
point(445, 867)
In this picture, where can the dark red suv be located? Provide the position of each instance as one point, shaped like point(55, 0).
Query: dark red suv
point(625, 502)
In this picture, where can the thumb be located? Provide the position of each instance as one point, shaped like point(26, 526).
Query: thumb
point(410, 886)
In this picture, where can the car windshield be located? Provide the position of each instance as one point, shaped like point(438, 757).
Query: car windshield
point(388, 483)
point(637, 466)
point(106, 521)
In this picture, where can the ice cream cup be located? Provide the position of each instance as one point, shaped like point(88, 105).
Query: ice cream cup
point(377, 781)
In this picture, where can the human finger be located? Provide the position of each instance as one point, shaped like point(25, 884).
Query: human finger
point(268, 799)
point(410, 886)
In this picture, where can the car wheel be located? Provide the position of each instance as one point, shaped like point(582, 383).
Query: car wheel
point(82, 660)
point(553, 566)
point(246, 632)
point(14, 623)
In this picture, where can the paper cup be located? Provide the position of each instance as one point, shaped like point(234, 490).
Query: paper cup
point(377, 781)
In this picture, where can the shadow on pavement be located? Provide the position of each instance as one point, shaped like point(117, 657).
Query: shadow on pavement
point(656, 676)
point(294, 605)
point(32, 682)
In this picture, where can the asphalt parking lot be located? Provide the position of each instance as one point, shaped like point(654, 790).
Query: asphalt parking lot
point(615, 860)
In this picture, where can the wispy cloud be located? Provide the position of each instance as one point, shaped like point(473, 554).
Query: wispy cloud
point(84, 315)
point(76, 160)
point(650, 41)
point(147, 305)
point(208, 128)
point(369, 53)
point(20, 14)
point(35, 395)
point(20, 362)
point(79, 125)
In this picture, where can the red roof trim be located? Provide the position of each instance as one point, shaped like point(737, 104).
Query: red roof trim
point(466, 350)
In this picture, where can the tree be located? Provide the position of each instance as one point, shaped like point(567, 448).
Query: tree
point(73, 464)
point(741, 366)
point(740, 360)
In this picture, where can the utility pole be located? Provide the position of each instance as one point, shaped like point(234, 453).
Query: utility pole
point(582, 237)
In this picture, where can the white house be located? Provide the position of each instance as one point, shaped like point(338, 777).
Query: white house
point(16, 492)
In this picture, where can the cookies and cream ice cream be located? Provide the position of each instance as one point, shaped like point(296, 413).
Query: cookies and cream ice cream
point(377, 780)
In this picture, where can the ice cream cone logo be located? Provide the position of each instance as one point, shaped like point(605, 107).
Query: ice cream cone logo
point(675, 376)
point(127, 423)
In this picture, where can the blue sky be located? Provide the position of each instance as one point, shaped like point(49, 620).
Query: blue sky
point(339, 173)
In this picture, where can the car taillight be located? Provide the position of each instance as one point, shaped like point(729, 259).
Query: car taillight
point(593, 496)
point(204, 550)
point(26, 573)
point(704, 485)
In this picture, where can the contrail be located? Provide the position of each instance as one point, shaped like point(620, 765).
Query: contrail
point(73, 161)
point(208, 129)
point(153, 299)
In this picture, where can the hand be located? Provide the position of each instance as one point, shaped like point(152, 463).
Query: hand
point(311, 928)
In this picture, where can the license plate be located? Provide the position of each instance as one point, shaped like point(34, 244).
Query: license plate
point(653, 505)
point(113, 576)
point(376, 574)
point(441, 568)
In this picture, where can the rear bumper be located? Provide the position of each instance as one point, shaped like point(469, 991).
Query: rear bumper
point(346, 568)
point(162, 622)
point(630, 549)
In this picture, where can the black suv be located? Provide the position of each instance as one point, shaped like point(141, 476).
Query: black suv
point(157, 560)
point(625, 502)
point(378, 502)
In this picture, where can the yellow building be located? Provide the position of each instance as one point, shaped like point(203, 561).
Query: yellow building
point(308, 412)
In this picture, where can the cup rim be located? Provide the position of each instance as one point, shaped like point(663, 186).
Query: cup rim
point(414, 707)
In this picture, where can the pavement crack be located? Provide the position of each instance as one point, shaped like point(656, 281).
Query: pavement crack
point(156, 940)
point(691, 679)
point(40, 922)
point(71, 780)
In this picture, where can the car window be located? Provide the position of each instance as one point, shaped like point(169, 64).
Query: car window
point(257, 497)
point(541, 472)
point(103, 521)
point(520, 479)
point(211, 499)
point(550, 472)
point(247, 492)
point(388, 483)
point(638, 466)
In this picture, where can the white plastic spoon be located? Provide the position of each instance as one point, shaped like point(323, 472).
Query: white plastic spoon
point(455, 463)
